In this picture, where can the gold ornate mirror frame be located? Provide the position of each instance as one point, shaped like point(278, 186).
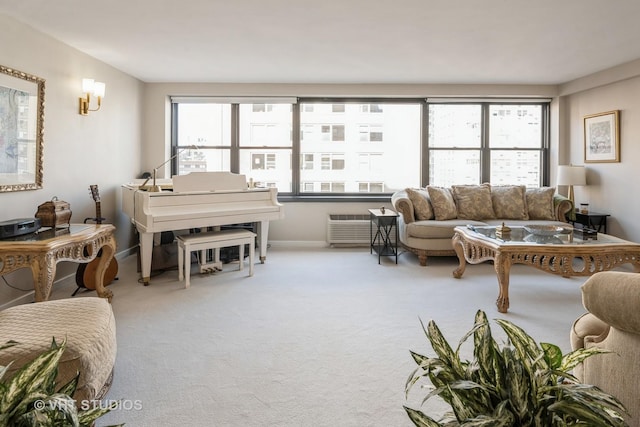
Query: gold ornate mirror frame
point(21, 130)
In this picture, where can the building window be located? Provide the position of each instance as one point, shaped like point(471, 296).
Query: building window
point(332, 161)
point(263, 161)
point(332, 187)
point(306, 161)
point(371, 187)
point(371, 133)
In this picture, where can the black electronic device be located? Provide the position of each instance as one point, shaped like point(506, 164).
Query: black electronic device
point(18, 227)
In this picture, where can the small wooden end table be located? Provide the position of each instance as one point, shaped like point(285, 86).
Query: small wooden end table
point(42, 250)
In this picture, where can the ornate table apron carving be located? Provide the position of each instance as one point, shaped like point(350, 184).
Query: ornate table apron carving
point(79, 243)
point(564, 260)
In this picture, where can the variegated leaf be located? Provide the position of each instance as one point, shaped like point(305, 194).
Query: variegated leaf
point(523, 343)
point(442, 348)
point(574, 358)
point(88, 416)
point(588, 414)
point(70, 387)
point(420, 419)
point(552, 355)
point(30, 377)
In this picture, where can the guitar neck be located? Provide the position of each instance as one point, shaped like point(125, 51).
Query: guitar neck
point(98, 213)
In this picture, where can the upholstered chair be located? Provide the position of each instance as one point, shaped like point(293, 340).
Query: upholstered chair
point(612, 300)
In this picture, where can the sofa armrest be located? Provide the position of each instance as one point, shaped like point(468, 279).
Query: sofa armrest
point(588, 329)
point(612, 296)
point(402, 204)
point(564, 208)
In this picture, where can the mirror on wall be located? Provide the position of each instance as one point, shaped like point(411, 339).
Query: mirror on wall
point(21, 130)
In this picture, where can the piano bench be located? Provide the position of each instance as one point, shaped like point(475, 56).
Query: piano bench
point(188, 243)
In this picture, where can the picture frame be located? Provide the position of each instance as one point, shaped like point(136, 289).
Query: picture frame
point(602, 137)
point(21, 130)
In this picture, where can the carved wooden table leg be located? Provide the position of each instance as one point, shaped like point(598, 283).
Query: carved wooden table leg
point(43, 270)
point(108, 252)
point(502, 265)
point(458, 246)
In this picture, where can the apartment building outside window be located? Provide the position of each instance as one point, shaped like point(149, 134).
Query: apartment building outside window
point(309, 147)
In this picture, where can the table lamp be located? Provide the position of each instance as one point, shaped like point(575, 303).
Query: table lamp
point(572, 175)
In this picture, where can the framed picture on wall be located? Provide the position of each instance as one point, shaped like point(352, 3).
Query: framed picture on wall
point(602, 137)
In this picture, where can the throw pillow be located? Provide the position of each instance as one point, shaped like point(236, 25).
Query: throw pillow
point(444, 207)
point(509, 201)
point(473, 201)
point(422, 209)
point(540, 203)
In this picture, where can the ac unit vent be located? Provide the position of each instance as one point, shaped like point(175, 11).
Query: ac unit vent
point(348, 229)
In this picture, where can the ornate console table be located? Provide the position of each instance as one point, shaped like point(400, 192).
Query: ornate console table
point(41, 251)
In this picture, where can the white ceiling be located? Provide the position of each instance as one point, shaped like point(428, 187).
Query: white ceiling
point(345, 41)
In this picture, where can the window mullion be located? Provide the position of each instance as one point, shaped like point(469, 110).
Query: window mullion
point(295, 150)
point(234, 159)
point(485, 154)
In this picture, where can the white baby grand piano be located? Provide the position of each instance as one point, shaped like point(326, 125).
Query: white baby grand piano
point(198, 200)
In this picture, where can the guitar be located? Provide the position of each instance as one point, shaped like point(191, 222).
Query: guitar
point(86, 273)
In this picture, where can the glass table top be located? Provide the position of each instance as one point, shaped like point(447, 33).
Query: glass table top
point(520, 236)
point(46, 233)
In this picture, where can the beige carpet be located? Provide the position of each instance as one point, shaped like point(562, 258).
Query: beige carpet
point(318, 337)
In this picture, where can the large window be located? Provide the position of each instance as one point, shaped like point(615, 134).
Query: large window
point(311, 147)
point(361, 148)
point(251, 138)
point(498, 143)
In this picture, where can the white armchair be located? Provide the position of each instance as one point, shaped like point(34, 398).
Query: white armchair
point(613, 323)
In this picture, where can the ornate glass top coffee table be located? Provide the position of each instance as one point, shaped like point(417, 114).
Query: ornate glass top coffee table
point(554, 251)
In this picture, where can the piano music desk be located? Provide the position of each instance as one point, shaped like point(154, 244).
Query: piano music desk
point(188, 243)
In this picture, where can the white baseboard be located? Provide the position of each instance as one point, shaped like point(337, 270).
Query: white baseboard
point(298, 244)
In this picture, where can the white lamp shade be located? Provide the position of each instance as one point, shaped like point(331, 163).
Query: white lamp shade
point(87, 85)
point(98, 89)
point(572, 175)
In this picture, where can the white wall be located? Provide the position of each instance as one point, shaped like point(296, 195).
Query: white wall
point(102, 148)
point(611, 187)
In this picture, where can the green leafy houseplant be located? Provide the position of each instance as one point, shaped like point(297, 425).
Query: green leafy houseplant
point(29, 398)
point(519, 384)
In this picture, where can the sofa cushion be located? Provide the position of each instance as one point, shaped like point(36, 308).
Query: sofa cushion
point(421, 205)
point(540, 203)
point(442, 202)
point(473, 201)
point(437, 229)
point(509, 201)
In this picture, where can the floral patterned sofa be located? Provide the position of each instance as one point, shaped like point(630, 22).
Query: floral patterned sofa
point(429, 215)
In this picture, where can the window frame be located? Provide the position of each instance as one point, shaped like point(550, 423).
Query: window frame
point(295, 150)
point(485, 143)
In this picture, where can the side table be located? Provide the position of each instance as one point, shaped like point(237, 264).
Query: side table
point(386, 223)
point(42, 250)
point(594, 220)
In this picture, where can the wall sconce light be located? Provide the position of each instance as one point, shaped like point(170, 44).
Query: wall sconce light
point(90, 87)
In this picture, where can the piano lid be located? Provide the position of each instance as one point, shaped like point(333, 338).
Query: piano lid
point(209, 181)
